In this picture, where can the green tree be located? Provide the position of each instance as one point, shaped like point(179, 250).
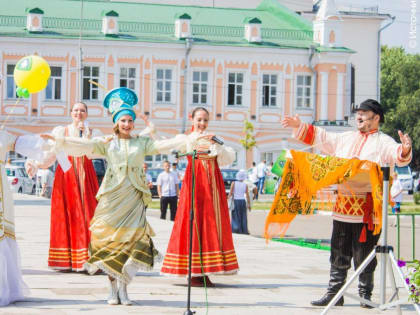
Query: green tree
point(406, 117)
point(248, 142)
point(400, 96)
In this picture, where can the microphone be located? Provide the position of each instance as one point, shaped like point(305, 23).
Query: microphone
point(217, 140)
point(175, 153)
point(80, 126)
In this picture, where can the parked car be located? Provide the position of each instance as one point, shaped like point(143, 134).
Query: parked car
point(229, 176)
point(100, 168)
point(416, 179)
point(154, 173)
point(406, 178)
point(19, 181)
point(18, 162)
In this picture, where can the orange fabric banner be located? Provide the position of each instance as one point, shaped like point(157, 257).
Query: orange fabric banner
point(307, 175)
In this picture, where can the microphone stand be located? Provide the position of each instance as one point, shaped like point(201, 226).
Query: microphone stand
point(194, 154)
point(386, 253)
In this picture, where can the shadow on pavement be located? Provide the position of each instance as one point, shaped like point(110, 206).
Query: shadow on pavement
point(32, 202)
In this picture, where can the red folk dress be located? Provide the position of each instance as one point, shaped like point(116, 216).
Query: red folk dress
point(213, 249)
point(73, 204)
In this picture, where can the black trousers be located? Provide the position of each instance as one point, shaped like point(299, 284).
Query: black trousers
point(345, 245)
point(173, 205)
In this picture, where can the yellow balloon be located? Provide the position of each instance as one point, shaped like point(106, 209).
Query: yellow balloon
point(32, 73)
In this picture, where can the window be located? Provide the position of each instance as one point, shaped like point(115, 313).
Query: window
point(200, 81)
point(235, 162)
point(303, 91)
point(128, 77)
point(53, 89)
point(11, 86)
point(267, 157)
point(163, 85)
point(235, 85)
point(155, 160)
point(90, 91)
point(269, 90)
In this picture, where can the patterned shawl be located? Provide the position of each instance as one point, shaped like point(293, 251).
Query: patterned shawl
point(302, 188)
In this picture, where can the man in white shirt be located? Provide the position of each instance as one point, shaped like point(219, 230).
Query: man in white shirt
point(168, 190)
point(261, 172)
point(254, 179)
point(352, 236)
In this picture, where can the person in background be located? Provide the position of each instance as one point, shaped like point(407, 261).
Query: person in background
point(239, 192)
point(396, 196)
point(261, 173)
point(254, 179)
point(47, 180)
point(269, 169)
point(174, 170)
point(168, 190)
point(149, 179)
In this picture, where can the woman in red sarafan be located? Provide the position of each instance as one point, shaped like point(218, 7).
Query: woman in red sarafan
point(73, 199)
point(213, 251)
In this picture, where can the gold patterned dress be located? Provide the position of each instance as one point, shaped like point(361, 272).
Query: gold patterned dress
point(121, 240)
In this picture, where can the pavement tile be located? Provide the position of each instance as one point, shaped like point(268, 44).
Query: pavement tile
point(274, 278)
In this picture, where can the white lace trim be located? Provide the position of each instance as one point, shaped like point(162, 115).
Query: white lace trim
point(129, 269)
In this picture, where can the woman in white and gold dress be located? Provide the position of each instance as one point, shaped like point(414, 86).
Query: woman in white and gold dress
point(12, 287)
point(121, 240)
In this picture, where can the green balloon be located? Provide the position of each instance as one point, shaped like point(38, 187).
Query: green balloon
point(19, 92)
point(25, 93)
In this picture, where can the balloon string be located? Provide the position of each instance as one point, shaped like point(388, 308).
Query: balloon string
point(10, 113)
point(98, 85)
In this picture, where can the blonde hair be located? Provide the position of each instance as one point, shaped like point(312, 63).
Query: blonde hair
point(115, 129)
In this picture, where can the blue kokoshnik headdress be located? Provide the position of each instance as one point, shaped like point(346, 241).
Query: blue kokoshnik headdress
point(120, 102)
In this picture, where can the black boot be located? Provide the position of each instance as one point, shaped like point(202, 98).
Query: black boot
point(366, 288)
point(337, 280)
point(325, 300)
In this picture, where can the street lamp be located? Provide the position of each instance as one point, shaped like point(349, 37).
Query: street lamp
point(188, 46)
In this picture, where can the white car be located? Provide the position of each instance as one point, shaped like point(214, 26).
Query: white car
point(19, 181)
point(406, 178)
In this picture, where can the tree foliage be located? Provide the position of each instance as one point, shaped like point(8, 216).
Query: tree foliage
point(248, 142)
point(400, 96)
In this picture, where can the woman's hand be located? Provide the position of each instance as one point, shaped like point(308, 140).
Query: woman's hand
point(293, 122)
point(145, 118)
point(207, 137)
point(31, 168)
point(406, 143)
point(203, 146)
point(46, 136)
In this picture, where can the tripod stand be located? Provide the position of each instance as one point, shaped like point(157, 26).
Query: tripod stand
point(387, 255)
point(193, 155)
